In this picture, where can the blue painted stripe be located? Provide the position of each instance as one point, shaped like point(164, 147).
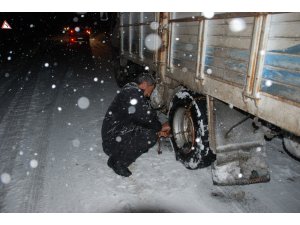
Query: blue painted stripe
point(228, 64)
point(233, 53)
point(290, 93)
point(209, 60)
point(283, 61)
point(282, 76)
point(295, 50)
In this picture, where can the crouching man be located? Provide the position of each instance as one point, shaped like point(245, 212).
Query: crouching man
point(131, 126)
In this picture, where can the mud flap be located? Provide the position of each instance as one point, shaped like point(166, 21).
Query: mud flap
point(241, 153)
point(241, 164)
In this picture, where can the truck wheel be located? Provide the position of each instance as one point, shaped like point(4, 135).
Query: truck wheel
point(188, 119)
point(292, 145)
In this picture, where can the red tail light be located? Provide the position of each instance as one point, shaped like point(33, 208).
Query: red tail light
point(72, 40)
point(88, 31)
point(71, 31)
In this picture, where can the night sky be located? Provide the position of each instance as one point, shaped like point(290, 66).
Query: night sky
point(46, 24)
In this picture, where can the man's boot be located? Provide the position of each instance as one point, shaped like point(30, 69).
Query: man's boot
point(118, 167)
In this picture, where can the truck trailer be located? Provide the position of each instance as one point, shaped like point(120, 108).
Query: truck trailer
point(227, 82)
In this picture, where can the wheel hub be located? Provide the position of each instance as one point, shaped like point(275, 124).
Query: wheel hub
point(184, 130)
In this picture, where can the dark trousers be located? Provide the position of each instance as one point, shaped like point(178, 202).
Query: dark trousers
point(130, 144)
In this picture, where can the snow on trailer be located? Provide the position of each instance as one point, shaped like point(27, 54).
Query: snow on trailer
point(249, 61)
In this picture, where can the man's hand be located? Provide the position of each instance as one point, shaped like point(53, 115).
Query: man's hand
point(165, 130)
point(166, 127)
point(163, 134)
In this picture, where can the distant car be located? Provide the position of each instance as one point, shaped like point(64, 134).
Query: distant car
point(79, 34)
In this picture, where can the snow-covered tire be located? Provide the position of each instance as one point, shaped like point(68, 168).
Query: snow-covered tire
point(292, 145)
point(189, 123)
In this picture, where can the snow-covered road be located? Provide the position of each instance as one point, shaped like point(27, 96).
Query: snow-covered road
point(52, 106)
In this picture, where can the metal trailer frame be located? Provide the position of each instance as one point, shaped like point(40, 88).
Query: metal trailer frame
point(249, 97)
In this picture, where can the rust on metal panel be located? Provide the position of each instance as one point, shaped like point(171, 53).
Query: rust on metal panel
point(261, 57)
point(200, 51)
point(162, 52)
point(170, 30)
point(253, 56)
point(211, 123)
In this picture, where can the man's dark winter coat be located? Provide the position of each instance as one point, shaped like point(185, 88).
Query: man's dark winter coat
point(130, 125)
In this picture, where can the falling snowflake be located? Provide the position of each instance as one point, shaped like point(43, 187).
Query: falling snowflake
point(31, 25)
point(118, 139)
point(258, 149)
point(110, 112)
point(133, 101)
point(53, 86)
point(262, 52)
point(177, 39)
point(240, 175)
point(5, 178)
point(268, 83)
point(146, 67)
point(21, 153)
point(131, 110)
point(197, 140)
point(6, 75)
point(154, 25)
point(102, 81)
point(34, 163)
point(101, 99)
point(153, 42)
point(59, 108)
point(209, 71)
point(189, 47)
point(83, 103)
point(75, 19)
point(76, 143)
point(46, 64)
point(237, 25)
point(231, 106)
point(118, 91)
point(77, 29)
point(96, 79)
point(9, 58)
point(208, 15)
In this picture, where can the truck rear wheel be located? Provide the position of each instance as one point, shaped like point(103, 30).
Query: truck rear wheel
point(188, 119)
point(292, 145)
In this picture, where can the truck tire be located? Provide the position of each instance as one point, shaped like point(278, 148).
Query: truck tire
point(189, 123)
point(292, 145)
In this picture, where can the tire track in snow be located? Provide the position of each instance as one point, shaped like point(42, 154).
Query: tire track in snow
point(22, 120)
